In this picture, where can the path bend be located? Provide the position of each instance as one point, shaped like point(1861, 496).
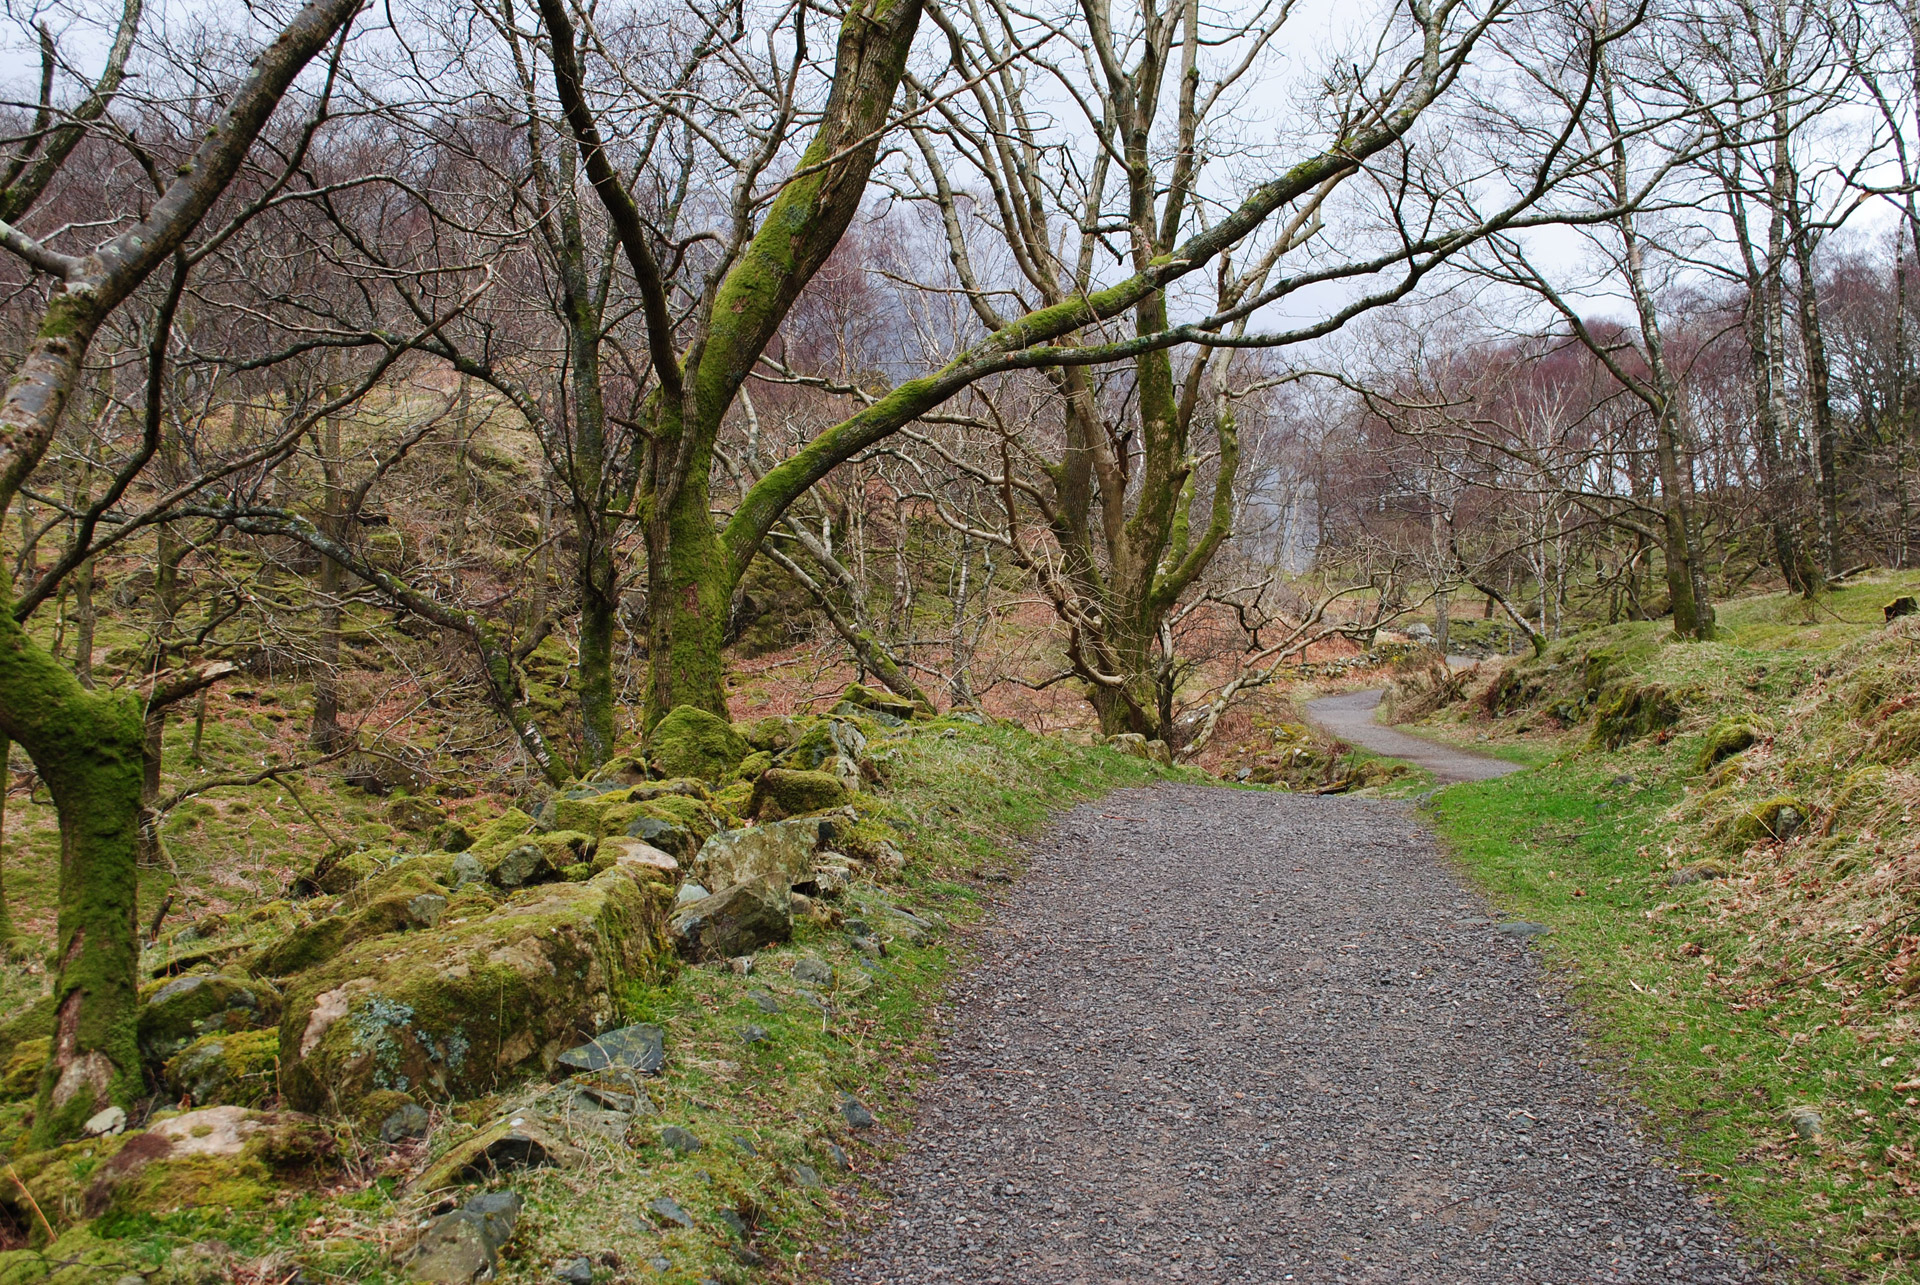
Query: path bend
point(1350, 716)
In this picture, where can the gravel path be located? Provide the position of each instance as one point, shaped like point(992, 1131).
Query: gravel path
point(1222, 1035)
point(1350, 717)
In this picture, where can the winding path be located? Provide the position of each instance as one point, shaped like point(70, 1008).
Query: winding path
point(1350, 717)
point(1233, 1036)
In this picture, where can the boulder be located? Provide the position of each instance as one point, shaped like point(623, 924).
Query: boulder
point(1160, 752)
point(1777, 820)
point(735, 921)
point(464, 1246)
point(224, 1156)
point(1727, 738)
point(676, 823)
point(1895, 608)
point(641, 1048)
point(782, 850)
point(520, 1141)
point(786, 792)
point(822, 743)
point(882, 706)
point(772, 734)
point(1129, 743)
point(416, 813)
point(175, 1013)
point(229, 1070)
point(638, 858)
point(413, 900)
point(459, 1011)
point(692, 742)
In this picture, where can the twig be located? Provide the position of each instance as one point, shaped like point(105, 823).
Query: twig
point(45, 1226)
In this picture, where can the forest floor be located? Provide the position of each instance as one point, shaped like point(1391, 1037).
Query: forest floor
point(1232, 1035)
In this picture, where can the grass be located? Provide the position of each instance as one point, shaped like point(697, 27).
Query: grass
point(1779, 982)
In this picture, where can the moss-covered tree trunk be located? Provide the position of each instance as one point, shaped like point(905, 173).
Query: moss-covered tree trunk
point(690, 582)
point(87, 747)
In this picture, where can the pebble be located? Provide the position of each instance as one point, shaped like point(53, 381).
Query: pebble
point(676, 1139)
point(668, 1209)
point(1238, 1038)
point(574, 1271)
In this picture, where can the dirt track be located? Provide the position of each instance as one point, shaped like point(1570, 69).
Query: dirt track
point(1224, 1035)
point(1350, 717)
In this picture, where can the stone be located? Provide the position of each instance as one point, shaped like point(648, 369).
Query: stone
point(641, 1047)
point(637, 857)
point(745, 1145)
point(831, 880)
point(668, 1210)
point(1806, 1123)
point(737, 921)
point(690, 893)
point(807, 1176)
point(1777, 820)
point(871, 701)
point(456, 1012)
point(764, 1001)
point(1160, 752)
point(755, 1034)
point(230, 1070)
point(1420, 632)
point(812, 972)
point(520, 1141)
point(782, 850)
point(678, 1140)
point(105, 1124)
point(780, 792)
point(467, 869)
point(175, 1013)
point(394, 903)
point(839, 1157)
point(855, 1113)
point(574, 1271)
point(404, 1123)
point(822, 744)
point(692, 742)
point(1131, 744)
point(1686, 876)
point(1522, 929)
point(869, 945)
point(518, 866)
point(733, 1222)
point(464, 1246)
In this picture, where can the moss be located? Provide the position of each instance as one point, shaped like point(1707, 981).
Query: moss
point(1728, 737)
point(408, 901)
point(692, 742)
point(458, 1011)
point(868, 839)
point(1897, 739)
point(501, 832)
point(781, 793)
point(22, 1073)
point(229, 1070)
point(871, 702)
point(772, 734)
point(1777, 819)
point(675, 823)
point(733, 800)
point(1626, 712)
point(752, 766)
point(177, 1011)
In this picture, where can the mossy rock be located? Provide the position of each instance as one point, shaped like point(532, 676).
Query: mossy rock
point(1776, 820)
point(869, 840)
point(783, 792)
point(752, 766)
point(414, 874)
point(227, 1070)
point(1626, 712)
point(774, 733)
point(176, 1012)
point(21, 1076)
point(413, 901)
point(502, 832)
point(692, 742)
point(883, 706)
point(80, 1257)
point(731, 802)
point(338, 873)
point(1728, 737)
point(677, 823)
point(826, 741)
point(459, 1012)
point(224, 1157)
point(584, 815)
point(417, 813)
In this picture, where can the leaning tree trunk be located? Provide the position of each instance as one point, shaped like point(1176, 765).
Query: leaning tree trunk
point(87, 747)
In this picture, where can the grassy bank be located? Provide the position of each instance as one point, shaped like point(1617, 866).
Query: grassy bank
point(1721, 837)
point(759, 1072)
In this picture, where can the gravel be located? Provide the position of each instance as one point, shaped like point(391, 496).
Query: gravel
point(1350, 717)
point(1220, 1035)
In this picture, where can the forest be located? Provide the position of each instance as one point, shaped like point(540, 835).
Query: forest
point(462, 462)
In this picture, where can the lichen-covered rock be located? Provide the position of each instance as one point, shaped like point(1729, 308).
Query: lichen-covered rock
point(413, 901)
point(1160, 752)
point(227, 1070)
point(785, 792)
point(692, 742)
point(225, 1157)
point(753, 765)
point(175, 1013)
point(638, 858)
point(502, 832)
point(521, 1141)
point(1129, 743)
point(464, 1246)
point(781, 850)
point(771, 734)
point(460, 1010)
point(735, 921)
point(824, 742)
